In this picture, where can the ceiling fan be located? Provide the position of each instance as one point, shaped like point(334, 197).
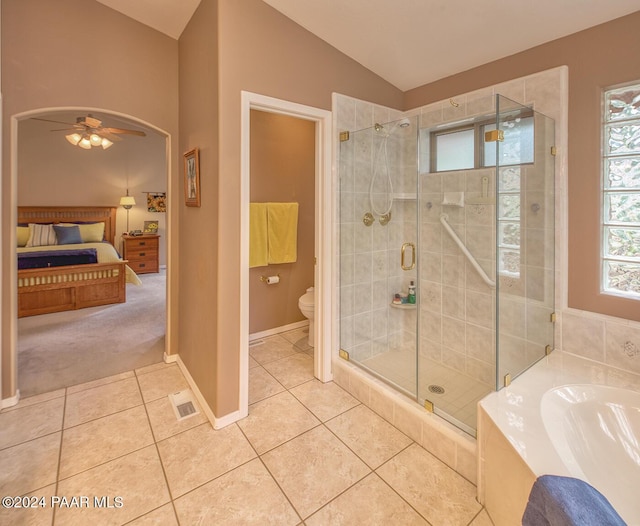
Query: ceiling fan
point(88, 132)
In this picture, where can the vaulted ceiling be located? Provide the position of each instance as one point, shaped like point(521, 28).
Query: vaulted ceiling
point(413, 42)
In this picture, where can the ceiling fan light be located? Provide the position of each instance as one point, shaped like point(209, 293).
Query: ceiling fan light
point(106, 143)
point(95, 139)
point(85, 143)
point(73, 138)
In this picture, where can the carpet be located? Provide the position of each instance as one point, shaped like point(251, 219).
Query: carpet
point(67, 348)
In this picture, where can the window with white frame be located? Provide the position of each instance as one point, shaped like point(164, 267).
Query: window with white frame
point(621, 192)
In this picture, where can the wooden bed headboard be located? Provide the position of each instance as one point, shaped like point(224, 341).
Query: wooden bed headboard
point(72, 214)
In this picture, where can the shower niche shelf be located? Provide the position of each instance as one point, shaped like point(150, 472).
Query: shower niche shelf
point(404, 306)
point(404, 197)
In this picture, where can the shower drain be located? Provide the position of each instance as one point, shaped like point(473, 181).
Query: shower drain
point(436, 389)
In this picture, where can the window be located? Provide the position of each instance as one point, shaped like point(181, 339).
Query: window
point(464, 147)
point(621, 192)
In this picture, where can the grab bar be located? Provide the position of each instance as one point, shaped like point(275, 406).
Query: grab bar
point(465, 251)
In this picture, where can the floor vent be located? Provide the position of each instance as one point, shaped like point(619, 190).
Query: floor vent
point(436, 389)
point(183, 404)
point(256, 342)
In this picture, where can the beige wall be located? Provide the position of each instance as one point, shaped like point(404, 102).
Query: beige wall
point(52, 172)
point(199, 227)
point(602, 56)
point(261, 51)
point(282, 170)
point(45, 64)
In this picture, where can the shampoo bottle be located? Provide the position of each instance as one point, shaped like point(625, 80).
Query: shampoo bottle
point(411, 297)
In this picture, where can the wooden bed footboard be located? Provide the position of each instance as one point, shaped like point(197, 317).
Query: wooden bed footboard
point(56, 289)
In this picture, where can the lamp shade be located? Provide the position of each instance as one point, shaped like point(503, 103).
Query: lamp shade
point(127, 201)
point(73, 138)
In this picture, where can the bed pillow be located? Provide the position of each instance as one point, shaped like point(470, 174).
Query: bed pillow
point(41, 235)
point(89, 232)
point(67, 235)
point(23, 236)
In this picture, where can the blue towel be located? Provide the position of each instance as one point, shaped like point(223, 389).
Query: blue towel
point(565, 501)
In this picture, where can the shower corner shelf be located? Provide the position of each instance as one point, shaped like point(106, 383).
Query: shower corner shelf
point(404, 306)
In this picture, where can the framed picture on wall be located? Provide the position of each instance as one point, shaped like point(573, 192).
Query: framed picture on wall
point(150, 227)
point(192, 178)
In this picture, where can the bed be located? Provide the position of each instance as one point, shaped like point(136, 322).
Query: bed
point(58, 286)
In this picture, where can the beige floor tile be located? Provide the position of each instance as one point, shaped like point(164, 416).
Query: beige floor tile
point(88, 445)
point(436, 491)
point(380, 442)
point(36, 399)
point(296, 334)
point(36, 515)
point(370, 502)
point(292, 370)
point(153, 367)
point(247, 495)
point(276, 420)
point(30, 422)
point(101, 381)
point(29, 466)
point(136, 478)
point(262, 385)
point(163, 516)
point(324, 400)
point(253, 363)
point(201, 454)
point(101, 401)
point(164, 422)
point(162, 382)
point(314, 468)
point(273, 348)
point(482, 519)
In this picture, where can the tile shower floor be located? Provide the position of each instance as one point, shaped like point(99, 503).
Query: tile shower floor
point(459, 393)
point(113, 452)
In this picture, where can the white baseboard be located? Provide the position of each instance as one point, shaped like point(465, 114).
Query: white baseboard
point(278, 330)
point(169, 358)
point(10, 402)
point(217, 423)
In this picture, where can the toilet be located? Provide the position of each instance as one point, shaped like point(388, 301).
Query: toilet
point(306, 306)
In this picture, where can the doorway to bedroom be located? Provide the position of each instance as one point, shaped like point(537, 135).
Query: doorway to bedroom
point(59, 349)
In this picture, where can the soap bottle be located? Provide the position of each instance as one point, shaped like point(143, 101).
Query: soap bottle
point(411, 297)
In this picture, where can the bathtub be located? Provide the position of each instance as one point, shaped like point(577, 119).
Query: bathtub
point(564, 416)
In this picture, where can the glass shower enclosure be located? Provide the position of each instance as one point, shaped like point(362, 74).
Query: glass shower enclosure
point(447, 254)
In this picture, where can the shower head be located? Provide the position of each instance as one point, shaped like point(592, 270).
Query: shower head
point(403, 123)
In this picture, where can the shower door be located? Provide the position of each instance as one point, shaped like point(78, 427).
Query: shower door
point(525, 233)
point(378, 251)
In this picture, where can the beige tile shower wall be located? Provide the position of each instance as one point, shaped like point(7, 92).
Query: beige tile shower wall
point(456, 307)
point(363, 262)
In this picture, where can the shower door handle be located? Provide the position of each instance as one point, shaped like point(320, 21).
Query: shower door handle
point(403, 252)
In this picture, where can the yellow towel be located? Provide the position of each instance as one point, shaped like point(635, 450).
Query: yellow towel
point(282, 227)
point(258, 251)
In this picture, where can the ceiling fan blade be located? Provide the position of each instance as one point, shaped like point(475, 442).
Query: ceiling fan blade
point(103, 132)
point(49, 120)
point(121, 130)
point(68, 129)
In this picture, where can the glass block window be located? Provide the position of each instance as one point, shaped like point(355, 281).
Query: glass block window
point(621, 192)
point(509, 221)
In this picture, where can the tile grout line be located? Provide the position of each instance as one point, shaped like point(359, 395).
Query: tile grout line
point(259, 457)
point(155, 443)
point(57, 483)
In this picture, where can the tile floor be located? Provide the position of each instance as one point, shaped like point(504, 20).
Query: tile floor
point(308, 453)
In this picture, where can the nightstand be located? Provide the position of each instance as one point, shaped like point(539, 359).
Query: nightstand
point(142, 252)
